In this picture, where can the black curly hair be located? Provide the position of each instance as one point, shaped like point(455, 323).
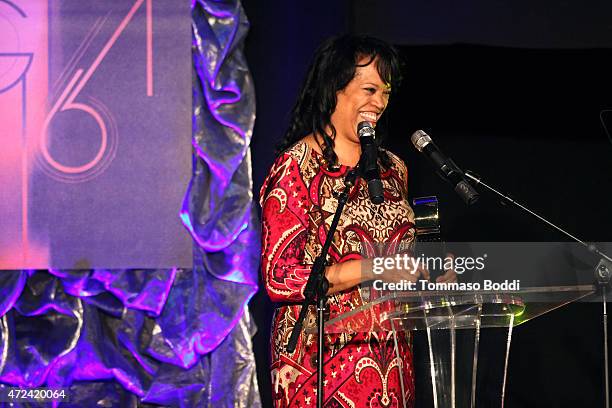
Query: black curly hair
point(332, 68)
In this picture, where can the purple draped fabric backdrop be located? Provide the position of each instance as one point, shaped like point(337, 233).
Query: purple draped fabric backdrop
point(177, 337)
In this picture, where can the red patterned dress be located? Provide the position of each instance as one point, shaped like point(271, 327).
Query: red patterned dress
point(298, 203)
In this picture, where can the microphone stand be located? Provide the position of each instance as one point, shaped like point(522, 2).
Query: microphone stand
point(603, 270)
point(317, 286)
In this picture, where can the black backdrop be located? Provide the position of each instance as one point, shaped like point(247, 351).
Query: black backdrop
point(527, 119)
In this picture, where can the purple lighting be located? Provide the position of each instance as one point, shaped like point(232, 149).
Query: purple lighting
point(167, 336)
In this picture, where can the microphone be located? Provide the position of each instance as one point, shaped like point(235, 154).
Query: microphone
point(447, 169)
point(368, 163)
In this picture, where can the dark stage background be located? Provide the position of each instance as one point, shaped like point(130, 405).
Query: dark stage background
point(517, 93)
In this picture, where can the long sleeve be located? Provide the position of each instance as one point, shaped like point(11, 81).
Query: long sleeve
point(402, 239)
point(298, 201)
point(285, 204)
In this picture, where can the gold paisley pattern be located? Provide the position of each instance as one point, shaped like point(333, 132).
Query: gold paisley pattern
point(299, 198)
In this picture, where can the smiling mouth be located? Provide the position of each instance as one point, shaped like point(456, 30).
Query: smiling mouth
point(369, 116)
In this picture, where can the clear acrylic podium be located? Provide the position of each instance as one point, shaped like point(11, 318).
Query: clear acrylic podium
point(452, 323)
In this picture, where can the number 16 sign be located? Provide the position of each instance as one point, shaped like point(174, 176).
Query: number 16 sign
point(95, 130)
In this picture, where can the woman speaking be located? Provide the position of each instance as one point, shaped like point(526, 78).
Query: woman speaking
point(349, 81)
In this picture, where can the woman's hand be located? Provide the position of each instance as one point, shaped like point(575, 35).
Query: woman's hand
point(397, 269)
point(449, 274)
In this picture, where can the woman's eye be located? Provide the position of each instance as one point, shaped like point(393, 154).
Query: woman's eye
point(371, 90)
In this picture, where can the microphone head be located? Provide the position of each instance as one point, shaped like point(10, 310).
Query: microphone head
point(365, 129)
point(420, 139)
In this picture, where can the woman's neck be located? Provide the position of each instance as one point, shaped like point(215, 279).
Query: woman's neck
point(348, 152)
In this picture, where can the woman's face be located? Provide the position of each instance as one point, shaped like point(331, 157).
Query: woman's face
point(364, 99)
